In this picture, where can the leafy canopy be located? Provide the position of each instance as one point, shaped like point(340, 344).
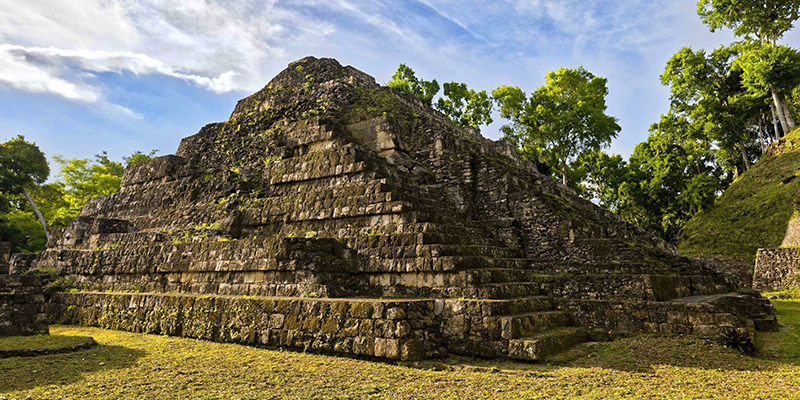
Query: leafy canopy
point(406, 81)
point(22, 165)
point(561, 120)
point(465, 107)
point(708, 96)
point(766, 67)
point(60, 201)
point(765, 20)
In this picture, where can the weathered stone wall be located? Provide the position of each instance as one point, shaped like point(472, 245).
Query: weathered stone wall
point(701, 315)
point(21, 263)
point(5, 252)
point(777, 269)
point(393, 329)
point(22, 307)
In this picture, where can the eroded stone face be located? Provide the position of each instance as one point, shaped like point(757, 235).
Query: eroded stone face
point(326, 185)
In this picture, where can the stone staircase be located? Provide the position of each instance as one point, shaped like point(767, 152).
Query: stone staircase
point(331, 214)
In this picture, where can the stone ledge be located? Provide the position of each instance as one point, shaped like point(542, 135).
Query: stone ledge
point(81, 344)
point(383, 328)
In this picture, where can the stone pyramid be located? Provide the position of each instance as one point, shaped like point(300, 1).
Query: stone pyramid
point(332, 214)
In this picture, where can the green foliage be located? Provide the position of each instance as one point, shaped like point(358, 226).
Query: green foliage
point(765, 20)
point(22, 165)
point(81, 179)
point(561, 120)
point(406, 81)
point(710, 101)
point(60, 201)
point(138, 157)
point(205, 226)
point(669, 178)
point(22, 168)
point(465, 107)
point(603, 175)
point(767, 67)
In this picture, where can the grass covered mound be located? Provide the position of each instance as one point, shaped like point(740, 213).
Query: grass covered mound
point(23, 346)
point(132, 366)
point(753, 212)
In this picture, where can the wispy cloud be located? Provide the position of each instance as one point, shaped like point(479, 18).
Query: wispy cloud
point(33, 58)
point(221, 46)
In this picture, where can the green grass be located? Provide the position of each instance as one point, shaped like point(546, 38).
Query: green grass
point(753, 212)
point(39, 342)
point(793, 293)
point(137, 366)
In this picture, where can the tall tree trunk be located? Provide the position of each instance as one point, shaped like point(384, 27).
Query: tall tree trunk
point(788, 115)
point(38, 214)
point(761, 133)
point(779, 111)
point(775, 122)
point(564, 177)
point(744, 155)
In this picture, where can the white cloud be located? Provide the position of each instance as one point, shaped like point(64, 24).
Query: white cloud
point(29, 58)
point(17, 72)
point(221, 46)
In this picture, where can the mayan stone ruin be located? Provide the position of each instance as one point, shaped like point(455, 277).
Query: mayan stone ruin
point(22, 306)
point(777, 269)
point(331, 214)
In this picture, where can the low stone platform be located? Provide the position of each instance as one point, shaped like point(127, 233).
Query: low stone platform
point(34, 346)
point(393, 329)
point(407, 329)
point(22, 307)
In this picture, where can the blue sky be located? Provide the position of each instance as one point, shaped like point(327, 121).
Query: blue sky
point(83, 76)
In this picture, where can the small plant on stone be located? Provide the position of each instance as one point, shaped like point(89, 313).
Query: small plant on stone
point(733, 339)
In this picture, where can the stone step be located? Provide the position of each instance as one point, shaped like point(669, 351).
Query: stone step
point(619, 286)
point(546, 343)
point(525, 325)
point(596, 268)
point(500, 275)
point(507, 290)
point(767, 323)
point(506, 307)
point(441, 250)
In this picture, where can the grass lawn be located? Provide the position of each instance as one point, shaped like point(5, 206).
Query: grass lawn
point(135, 366)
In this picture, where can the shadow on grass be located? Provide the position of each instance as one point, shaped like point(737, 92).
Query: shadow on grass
point(645, 354)
point(648, 353)
point(24, 373)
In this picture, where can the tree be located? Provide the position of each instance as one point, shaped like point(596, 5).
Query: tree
point(561, 120)
point(465, 107)
point(707, 93)
point(81, 179)
point(765, 22)
point(669, 178)
point(773, 70)
point(22, 166)
point(406, 81)
point(603, 175)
